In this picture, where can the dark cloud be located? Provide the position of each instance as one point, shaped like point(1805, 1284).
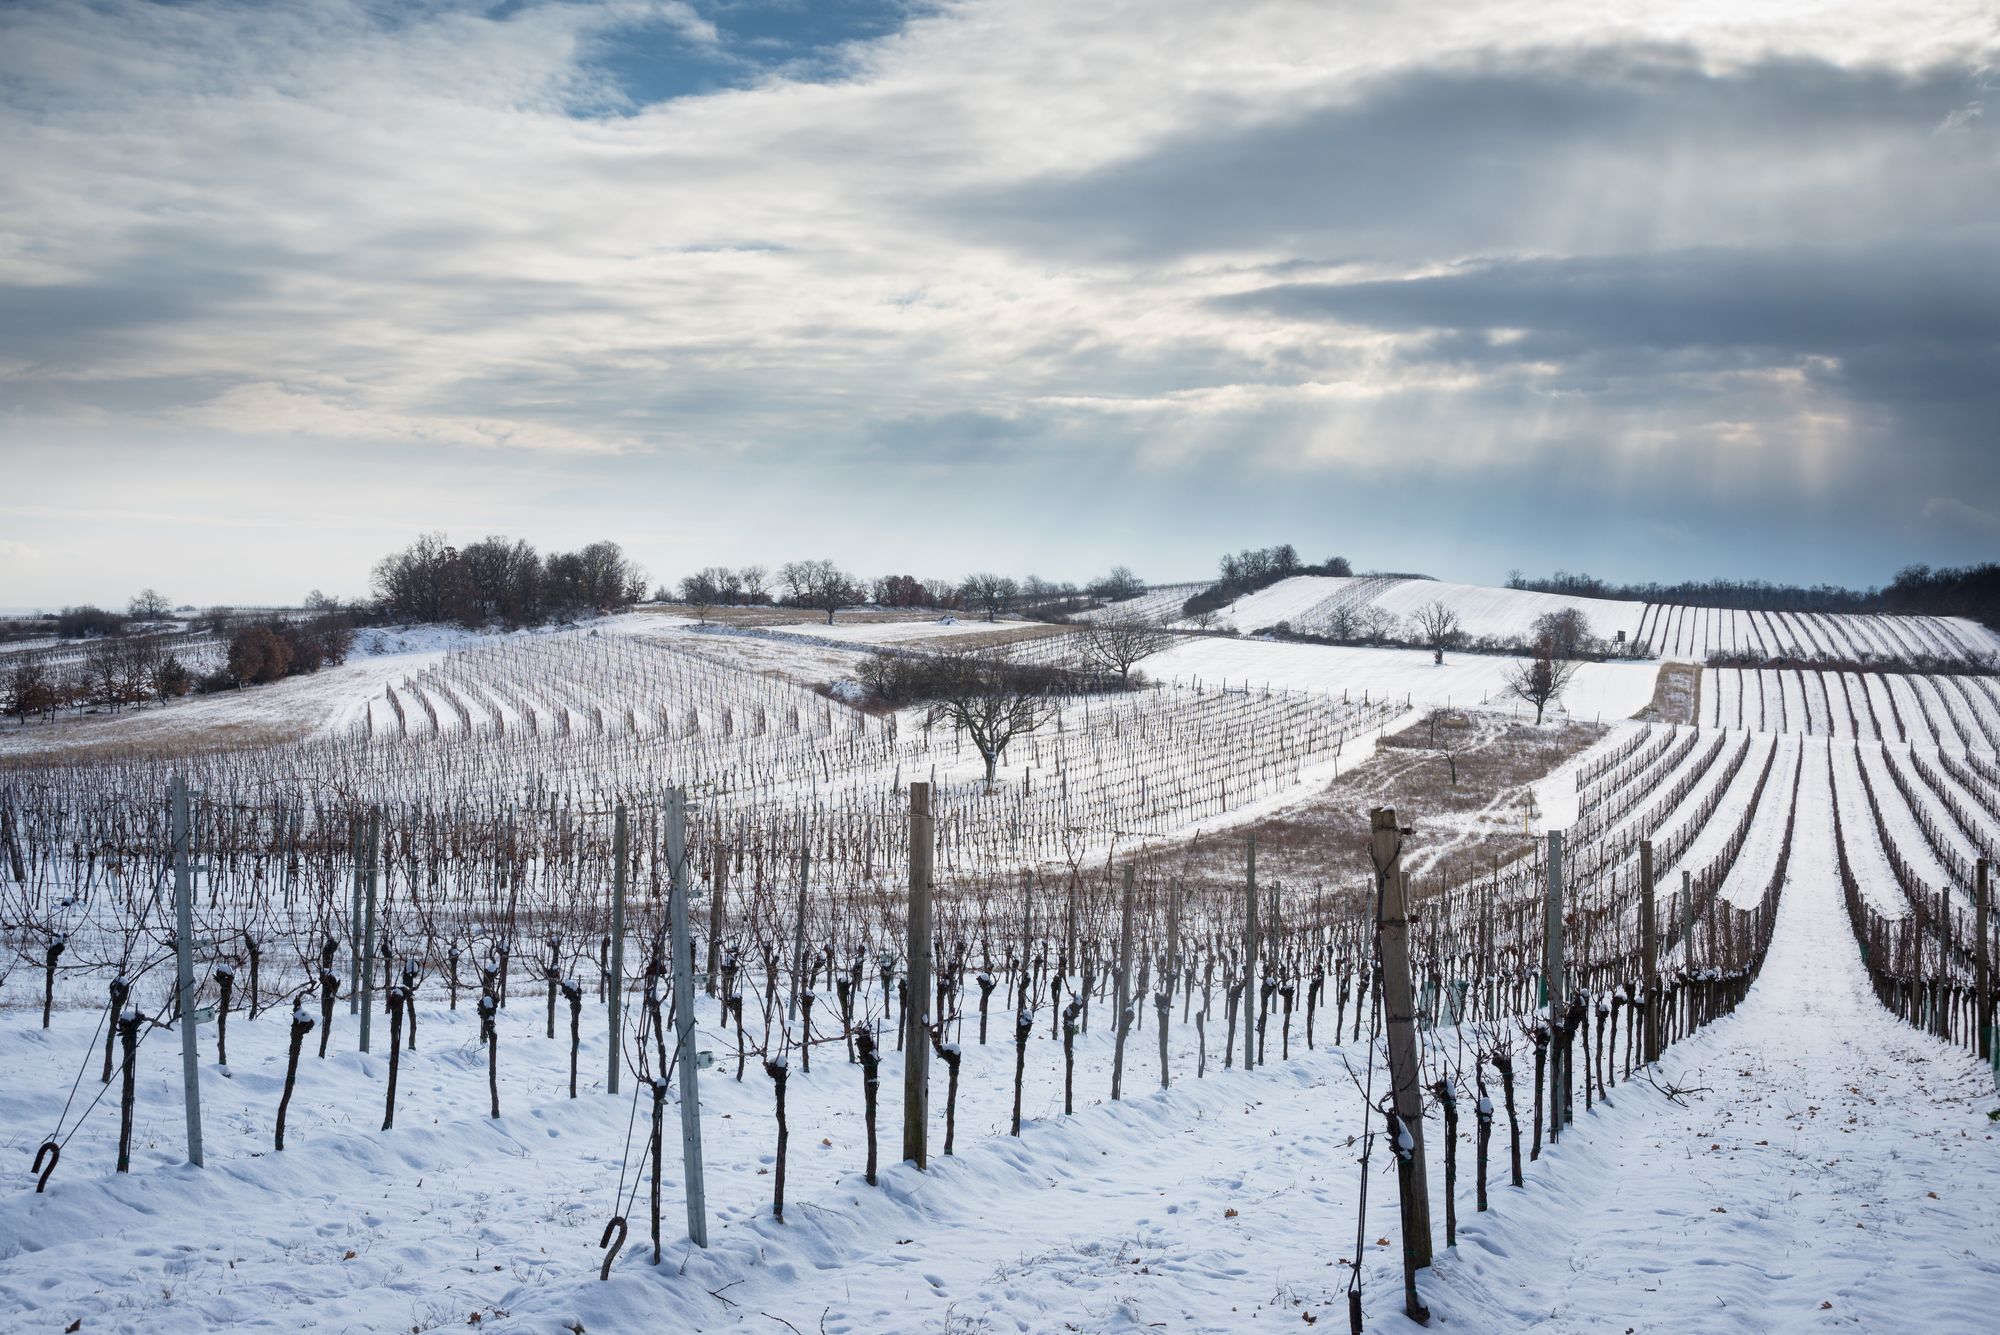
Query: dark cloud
point(1793, 299)
point(1514, 152)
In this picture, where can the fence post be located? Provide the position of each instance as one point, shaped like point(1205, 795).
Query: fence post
point(612, 984)
point(1124, 986)
point(684, 1055)
point(1555, 982)
point(916, 1038)
point(1649, 952)
point(1249, 951)
point(184, 961)
point(1392, 945)
point(368, 927)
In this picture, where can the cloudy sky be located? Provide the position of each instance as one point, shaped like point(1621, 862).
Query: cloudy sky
point(1040, 285)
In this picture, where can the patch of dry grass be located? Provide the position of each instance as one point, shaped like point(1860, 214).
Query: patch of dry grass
point(165, 744)
point(1463, 827)
point(1676, 694)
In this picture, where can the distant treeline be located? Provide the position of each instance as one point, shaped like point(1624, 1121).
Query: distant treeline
point(1257, 568)
point(502, 580)
point(1959, 591)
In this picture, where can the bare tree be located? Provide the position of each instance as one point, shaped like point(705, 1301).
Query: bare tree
point(702, 591)
point(1542, 679)
point(1119, 585)
point(1568, 630)
point(991, 700)
point(1437, 626)
point(148, 605)
point(819, 584)
point(1445, 728)
point(989, 592)
point(1118, 644)
point(755, 580)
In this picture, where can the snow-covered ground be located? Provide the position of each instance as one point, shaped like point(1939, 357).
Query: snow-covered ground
point(1601, 692)
point(1830, 1168)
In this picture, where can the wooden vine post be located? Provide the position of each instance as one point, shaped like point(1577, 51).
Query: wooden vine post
point(718, 877)
point(916, 1044)
point(684, 1055)
point(1554, 983)
point(1392, 944)
point(1982, 932)
point(354, 933)
point(1249, 951)
point(799, 934)
point(368, 924)
point(1649, 953)
point(184, 963)
point(615, 975)
point(1119, 1021)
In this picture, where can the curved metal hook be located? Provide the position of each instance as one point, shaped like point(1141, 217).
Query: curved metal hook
point(618, 1226)
point(52, 1152)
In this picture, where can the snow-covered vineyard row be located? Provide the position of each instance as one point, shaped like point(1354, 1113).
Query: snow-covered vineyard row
point(1950, 710)
point(1332, 605)
point(477, 813)
point(1677, 631)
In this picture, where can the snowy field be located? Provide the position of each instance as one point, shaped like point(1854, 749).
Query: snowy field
point(1753, 1180)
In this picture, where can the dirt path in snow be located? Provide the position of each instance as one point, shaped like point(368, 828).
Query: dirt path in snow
point(1837, 1171)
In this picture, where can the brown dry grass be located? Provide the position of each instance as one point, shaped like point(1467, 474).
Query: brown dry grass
point(161, 745)
point(1676, 694)
point(1462, 828)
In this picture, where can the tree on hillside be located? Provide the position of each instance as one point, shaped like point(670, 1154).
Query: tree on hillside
point(419, 583)
point(498, 579)
point(1437, 626)
point(989, 593)
point(1119, 585)
point(88, 623)
point(258, 654)
point(702, 591)
point(990, 700)
point(148, 605)
point(899, 591)
point(819, 584)
point(1118, 644)
point(1541, 680)
point(1568, 631)
point(29, 689)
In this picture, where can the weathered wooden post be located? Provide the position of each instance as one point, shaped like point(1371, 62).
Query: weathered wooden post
point(1392, 945)
point(1982, 931)
point(1649, 953)
point(916, 1039)
point(1687, 915)
point(354, 929)
point(1118, 1021)
point(799, 930)
point(718, 877)
point(1249, 951)
point(1553, 982)
point(184, 961)
point(616, 978)
point(684, 1059)
point(368, 925)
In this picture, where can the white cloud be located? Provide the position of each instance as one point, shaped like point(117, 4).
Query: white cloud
point(300, 223)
